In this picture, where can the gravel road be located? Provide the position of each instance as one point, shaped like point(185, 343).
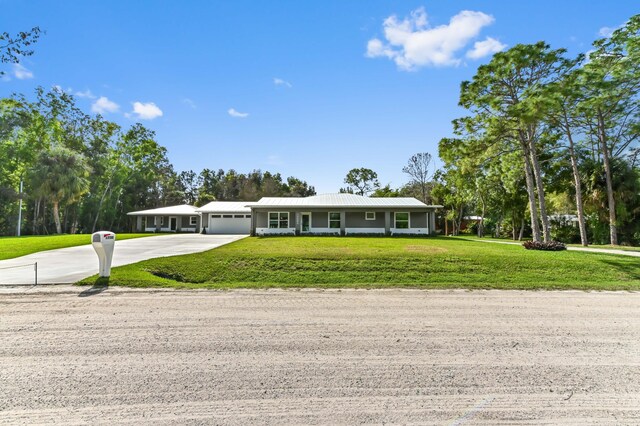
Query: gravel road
point(319, 357)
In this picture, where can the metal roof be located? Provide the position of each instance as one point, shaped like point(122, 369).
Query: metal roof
point(225, 207)
point(183, 209)
point(340, 200)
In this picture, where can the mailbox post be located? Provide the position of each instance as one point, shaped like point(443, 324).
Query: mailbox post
point(103, 243)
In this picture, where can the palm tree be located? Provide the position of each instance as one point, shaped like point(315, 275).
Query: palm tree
point(61, 176)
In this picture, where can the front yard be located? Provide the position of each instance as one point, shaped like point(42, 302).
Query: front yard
point(369, 262)
point(12, 247)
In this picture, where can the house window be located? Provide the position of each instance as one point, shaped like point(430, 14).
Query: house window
point(278, 219)
point(334, 220)
point(370, 216)
point(227, 216)
point(193, 220)
point(402, 220)
point(248, 216)
point(216, 216)
point(238, 216)
point(161, 220)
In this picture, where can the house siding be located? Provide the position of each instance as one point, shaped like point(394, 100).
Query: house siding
point(358, 219)
point(418, 219)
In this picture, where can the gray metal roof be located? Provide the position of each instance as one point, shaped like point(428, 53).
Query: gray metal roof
point(183, 209)
point(340, 200)
point(225, 207)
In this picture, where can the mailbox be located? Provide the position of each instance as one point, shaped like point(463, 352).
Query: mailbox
point(103, 242)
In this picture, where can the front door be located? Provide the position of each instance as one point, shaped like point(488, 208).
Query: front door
point(173, 223)
point(306, 222)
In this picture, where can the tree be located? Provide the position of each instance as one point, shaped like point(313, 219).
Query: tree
point(611, 83)
point(504, 96)
point(12, 48)
point(362, 181)
point(419, 169)
point(61, 175)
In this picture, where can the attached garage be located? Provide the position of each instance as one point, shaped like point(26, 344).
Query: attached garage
point(226, 217)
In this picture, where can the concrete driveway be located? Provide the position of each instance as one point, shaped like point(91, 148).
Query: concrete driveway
point(68, 265)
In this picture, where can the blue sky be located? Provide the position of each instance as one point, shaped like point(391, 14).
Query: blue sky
point(309, 89)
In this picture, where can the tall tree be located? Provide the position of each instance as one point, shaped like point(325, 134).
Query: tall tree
point(505, 94)
point(419, 168)
point(362, 180)
point(61, 175)
point(611, 83)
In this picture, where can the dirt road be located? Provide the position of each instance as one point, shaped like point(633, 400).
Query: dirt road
point(273, 357)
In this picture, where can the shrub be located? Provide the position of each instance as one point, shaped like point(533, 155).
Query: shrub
point(550, 246)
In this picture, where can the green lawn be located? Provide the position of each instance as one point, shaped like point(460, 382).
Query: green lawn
point(444, 262)
point(11, 247)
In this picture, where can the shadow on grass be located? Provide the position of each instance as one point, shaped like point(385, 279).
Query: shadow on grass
point(631, 270)
point(100, 285)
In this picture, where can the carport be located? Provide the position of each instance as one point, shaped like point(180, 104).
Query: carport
point(226, 217)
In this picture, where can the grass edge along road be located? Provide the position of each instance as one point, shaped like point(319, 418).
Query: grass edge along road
point(12, 247)
point(380, 262)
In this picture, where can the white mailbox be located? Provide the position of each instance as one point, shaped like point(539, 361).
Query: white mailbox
point(103, 242)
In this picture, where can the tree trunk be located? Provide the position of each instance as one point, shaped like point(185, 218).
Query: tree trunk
point(104, 193)
point(531, 193)
point(539, 186)
point(577, 184)
point(521, 230)
point(56, 216)
point(613, 231)
point(446, 226)
point(513, 228)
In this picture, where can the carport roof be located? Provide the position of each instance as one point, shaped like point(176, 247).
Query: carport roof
point(341, 200)
point(225, 207)
point(180, 210)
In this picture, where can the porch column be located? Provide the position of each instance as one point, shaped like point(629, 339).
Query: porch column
point(253, 223)
point(139, 224)
point(298, 222)
point(387, 223)
point(156, 222)
point(432, 222)
point(343, 222)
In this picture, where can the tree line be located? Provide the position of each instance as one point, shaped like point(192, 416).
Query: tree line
point(81, 173)
point(547, 133)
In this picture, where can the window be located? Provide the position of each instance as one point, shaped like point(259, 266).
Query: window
point(334, 220)
point(370, 216)
point(193, 220)
point(161, 220)
point(248, 216)
point(278, 219)
point(227, 216)
point(402, 220)
point(216, 216)
point(238, 216)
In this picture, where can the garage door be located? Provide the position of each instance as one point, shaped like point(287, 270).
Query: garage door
point(229, 224)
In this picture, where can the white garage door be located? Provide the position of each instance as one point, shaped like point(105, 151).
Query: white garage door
point(229, 224)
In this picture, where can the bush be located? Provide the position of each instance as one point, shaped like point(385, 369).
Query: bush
point(550, 246)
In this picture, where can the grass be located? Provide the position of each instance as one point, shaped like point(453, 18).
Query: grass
point(11, 247)
point(444, 262)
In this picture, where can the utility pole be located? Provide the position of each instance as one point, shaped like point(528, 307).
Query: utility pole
point(20, 209)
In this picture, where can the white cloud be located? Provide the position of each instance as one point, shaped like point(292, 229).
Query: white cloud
point(411, 43)
point(86, 94)
point(606, 31)
point(21, 73)
point(103, 105)
point(281, 82)
point(146, 111)
point(189, 102)
point(484, 48)
point(232, 112)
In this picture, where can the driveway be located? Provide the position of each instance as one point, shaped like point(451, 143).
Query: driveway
point(453, 357)
point(68, 265)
